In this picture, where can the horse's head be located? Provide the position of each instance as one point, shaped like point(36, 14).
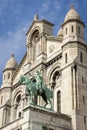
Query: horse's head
point(21, 80)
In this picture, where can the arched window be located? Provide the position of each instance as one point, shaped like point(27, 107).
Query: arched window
point(83, 80)
point(19, 128)
point(35, 40)
point(1, 100)
point(66, 30)
point(18, 99)
point(19, 114)
point(85, 120)
point(79, 30)
point(18, 106)
point(8, 75)
point(72, 28)
point(81, 57)
point(36, 36)
point(58, 101)
point(84, 99)
point(6, 114)
point(66, 58)
point(56, 79)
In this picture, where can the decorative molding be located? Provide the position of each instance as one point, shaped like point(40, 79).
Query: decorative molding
point(73, 20)
point(54, 60)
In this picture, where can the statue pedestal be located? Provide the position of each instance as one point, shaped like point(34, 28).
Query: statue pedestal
point(37, 118)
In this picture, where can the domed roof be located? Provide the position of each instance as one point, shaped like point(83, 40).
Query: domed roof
point(60, 32)
point(72, 14)
point(11, 63)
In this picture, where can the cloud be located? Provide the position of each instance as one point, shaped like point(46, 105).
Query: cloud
point(45, 7)
point(9, 7)
point(57, 5)
point(13, 42)
point(3, 4)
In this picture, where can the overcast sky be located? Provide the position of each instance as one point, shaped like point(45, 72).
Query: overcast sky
point(17, 15)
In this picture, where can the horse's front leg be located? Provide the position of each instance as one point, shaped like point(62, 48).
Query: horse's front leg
point(31, 98)
point(51, 107)
point(45, 104)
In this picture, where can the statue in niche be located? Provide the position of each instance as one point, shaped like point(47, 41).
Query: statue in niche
point(57, 78)
point(36, 43)
point(38, 48)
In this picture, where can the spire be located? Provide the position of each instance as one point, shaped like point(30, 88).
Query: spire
point(72, 6)
point(11, 63)
point(72, 14)
point(35, 17)
point(12, 55)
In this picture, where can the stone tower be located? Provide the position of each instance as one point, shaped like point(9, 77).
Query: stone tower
point(5, 94)
point(74, 70)
point(8, 72)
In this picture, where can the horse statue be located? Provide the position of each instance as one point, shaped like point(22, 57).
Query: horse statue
point(31, 87)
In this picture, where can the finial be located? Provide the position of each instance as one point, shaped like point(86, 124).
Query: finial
point(35, 17)
point(12, 55)
point(72, 6)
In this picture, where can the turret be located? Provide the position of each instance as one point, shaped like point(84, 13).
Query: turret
point(10, 68)
point(60, 33)
point(73, 27)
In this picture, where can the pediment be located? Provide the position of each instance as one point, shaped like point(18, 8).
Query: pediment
point(20, 69)
point(42, 26)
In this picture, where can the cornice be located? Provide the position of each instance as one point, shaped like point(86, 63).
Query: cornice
point(75, 42)
point(53, 60)
point(73, 20)
point(5, 88)
point(54, 38)
point(39, 21)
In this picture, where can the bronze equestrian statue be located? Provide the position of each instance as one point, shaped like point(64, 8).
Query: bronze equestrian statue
point(37, 88)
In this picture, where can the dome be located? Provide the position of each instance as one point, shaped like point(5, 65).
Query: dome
point(72, 14)
point(11, 63)
point(60, 32)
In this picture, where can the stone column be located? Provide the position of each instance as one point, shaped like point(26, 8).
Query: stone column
point(4, 116)
point(29, 52)
point(43, 44)
point(74, 87)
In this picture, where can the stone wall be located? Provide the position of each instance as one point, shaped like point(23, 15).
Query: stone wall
point(37, 118)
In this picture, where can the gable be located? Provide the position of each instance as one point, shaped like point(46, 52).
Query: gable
point(20, 69)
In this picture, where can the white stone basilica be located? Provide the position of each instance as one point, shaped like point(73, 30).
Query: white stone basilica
point(62, 60)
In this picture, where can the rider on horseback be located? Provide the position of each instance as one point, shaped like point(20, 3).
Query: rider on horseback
point(37, 88)
point(39, 82)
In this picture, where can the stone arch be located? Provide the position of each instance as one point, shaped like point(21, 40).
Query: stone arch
point(58, 101)
point(17, 92)
point(54, 70)
point(32, 32)
point(17, 104)
point(35, 44)
point(17, 98)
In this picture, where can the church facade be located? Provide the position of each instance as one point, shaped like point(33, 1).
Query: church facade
point(62, 60)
